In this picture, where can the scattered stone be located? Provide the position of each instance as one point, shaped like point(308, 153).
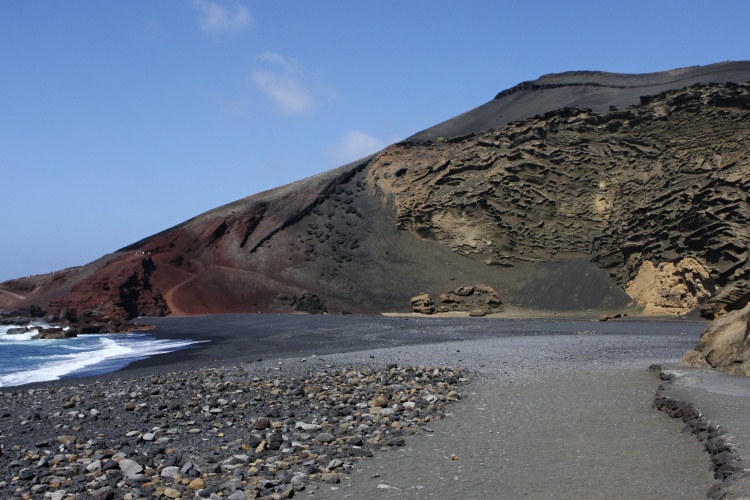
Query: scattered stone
point(66, 440)
point(381, 400)
point(607, 317)
point(275, 435)
point(173, 493)
point(130, 468)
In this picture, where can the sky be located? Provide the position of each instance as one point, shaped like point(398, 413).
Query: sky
point(121, 119)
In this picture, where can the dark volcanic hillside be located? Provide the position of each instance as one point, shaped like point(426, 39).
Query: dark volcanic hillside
point(567, 209)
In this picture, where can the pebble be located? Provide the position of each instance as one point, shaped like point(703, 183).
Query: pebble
point(233, 432)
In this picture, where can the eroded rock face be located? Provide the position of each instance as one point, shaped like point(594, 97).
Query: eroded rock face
point(649, 184)
point(658, 184)
point(121, 291)
point(724, 345)
point(670, 288)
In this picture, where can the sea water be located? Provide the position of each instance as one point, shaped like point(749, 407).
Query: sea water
point(24, 360)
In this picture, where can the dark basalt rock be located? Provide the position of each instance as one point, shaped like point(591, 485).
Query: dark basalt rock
point(308, 303)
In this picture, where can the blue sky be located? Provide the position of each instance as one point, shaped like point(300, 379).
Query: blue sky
point(121, 119)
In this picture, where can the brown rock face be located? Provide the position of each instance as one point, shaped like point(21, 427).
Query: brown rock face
point(559, 209)
point(670, 288)
point(423, 304)
point(648, 184)
point(724, 345)
point(122, 290)
point(475, 299)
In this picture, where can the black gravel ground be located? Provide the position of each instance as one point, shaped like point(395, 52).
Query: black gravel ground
point(215, 422)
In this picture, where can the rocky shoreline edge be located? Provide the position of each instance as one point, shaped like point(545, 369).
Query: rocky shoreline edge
point(733, 479)
point(64, 326)
point(246, 431)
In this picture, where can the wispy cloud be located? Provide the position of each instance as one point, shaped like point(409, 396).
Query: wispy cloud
point(218, 19)
point(354, 145)
point(281, 79)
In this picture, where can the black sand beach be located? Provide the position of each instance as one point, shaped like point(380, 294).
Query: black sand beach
point(248, 338)
point(538, 408)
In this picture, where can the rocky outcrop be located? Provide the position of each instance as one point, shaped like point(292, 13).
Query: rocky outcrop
point(307, 303)
point(478, 300)
point(670, 288)
point(56, 333)
point(423, 304)
point(724, 345)
point(49, 333)
point(120, 292)
point(649, 186)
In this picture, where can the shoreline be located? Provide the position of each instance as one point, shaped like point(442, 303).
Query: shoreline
point(305, 335)
point(523, 359)
point(253, 338)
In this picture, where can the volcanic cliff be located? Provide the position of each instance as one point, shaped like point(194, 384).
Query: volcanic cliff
point(577, 191)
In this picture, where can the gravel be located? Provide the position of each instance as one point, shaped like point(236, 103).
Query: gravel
point(443, 417)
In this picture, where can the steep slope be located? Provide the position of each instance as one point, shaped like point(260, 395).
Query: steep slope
point(595, 90)
point(566, 209)
point(633, 190)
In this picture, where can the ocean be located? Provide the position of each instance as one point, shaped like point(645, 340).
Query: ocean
point(24, 360)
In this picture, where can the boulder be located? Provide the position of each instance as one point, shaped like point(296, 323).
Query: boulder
point(724, 344)
point(308, 302)
point(450, 298)
point(56, 333)
point(465, 298)
point(671, 287)
point(17, 331)
point(465, 290)
point(423, 304)
point(493, 299)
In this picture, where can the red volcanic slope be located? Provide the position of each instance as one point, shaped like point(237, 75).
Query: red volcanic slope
point(336, 234)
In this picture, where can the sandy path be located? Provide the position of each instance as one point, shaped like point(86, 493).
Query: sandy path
point(14, 295)
point(169, 294)
point(573, 435)
point(556, 409)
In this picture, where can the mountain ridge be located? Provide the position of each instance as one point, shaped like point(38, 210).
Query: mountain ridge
point(417, 216)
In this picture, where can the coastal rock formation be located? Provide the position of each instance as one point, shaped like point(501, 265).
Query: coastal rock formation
point(724, 345)
point(56, 333)
point(564, 193)
point(670, 288)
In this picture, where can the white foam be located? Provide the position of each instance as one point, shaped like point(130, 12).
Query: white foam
point(16, 337)
point(121, 347)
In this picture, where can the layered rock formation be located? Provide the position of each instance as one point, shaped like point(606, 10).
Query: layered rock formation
point(658, 185)
point(554, 207)
point(466, 298)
